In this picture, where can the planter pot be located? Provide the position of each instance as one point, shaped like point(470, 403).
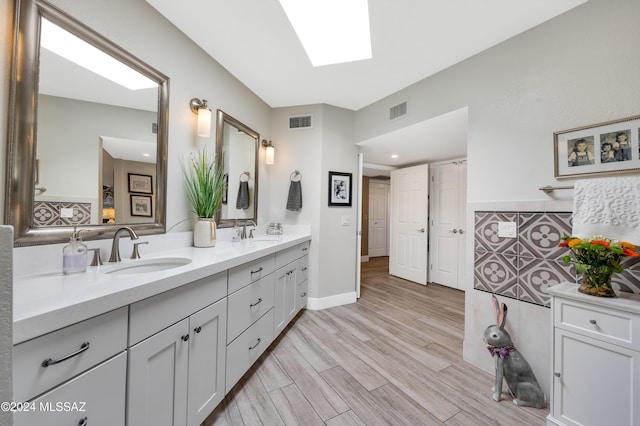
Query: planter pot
point(204, 233)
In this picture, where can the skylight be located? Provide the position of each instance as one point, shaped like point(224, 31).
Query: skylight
point(70, 47)
point(331, 31)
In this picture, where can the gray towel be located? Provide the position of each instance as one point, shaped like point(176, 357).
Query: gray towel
point(242, 202)
point(294, 201)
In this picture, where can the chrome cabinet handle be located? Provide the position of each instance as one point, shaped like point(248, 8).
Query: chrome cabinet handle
point(592, 321)
point(257, 303)
point(557, 374)
point(47, 362)
point(185, 338)
point(257, 270)
point(83, 422)
point(256, 345)
point(197, 330)
point(420, 229)
point(455, 231)
point(460, 231)
point(303, 294)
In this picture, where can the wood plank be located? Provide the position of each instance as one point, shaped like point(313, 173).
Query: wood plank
point(293, 407)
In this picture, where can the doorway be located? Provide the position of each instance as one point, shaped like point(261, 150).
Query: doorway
point(378, 225)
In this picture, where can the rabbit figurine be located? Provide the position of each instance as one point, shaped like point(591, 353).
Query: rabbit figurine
point(511, 364)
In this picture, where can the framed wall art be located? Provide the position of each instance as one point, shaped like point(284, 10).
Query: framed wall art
point(140, 183)
point(339, 189)
point(141, 205)
point(604, 148)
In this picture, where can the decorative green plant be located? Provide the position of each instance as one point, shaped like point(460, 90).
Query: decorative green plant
point(204, 180)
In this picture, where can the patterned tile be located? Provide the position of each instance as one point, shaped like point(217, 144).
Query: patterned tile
point(81, 214)
point(535, 276)
point(540, 233)
point(486, 233)
point(45, 213)
point(628, 281)
point(496, 273)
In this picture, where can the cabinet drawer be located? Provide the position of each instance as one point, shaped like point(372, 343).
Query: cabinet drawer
point(106, 335)
point(249, 304)
point(618, 327)
point(156, 313)
point(242, 275)
point(302, 295)
point(287, 256)
point(246, 349)
point(98, 395)
point(303, 269)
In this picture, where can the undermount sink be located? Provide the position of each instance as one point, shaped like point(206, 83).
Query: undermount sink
point(144, 266)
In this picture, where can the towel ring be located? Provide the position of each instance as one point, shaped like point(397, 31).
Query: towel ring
point(295, 174)
point(247, 174)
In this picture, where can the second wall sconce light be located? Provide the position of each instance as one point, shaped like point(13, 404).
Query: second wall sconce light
point(270, 151)
point(204, 116)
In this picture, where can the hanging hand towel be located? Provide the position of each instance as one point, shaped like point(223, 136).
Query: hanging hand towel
point(242, 202)
point(608, 207)
point(294, 200)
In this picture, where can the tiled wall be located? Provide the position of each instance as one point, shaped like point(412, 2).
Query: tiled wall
point(522, 268)
point(47, 213)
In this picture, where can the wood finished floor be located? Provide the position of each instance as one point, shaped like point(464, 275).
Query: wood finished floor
point(392, 358)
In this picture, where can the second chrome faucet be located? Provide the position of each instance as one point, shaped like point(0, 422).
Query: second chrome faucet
point(115, 247)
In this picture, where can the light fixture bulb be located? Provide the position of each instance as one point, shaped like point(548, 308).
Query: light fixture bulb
point(269, 154)
point(204, 121)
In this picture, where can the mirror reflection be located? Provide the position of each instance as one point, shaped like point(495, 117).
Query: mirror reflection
point(94, 131)
point(237, 145)
point(88, 137)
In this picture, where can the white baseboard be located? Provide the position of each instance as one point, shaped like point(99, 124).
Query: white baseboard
point(318, 303)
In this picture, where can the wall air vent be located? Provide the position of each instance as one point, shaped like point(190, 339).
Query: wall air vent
point(154, 128)
point(300, 122)
point(398, 111)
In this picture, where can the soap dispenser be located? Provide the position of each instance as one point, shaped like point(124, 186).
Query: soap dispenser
point(74, 255)
point(235, 233)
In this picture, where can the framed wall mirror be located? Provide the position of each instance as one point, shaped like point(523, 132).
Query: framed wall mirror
point(80, 131)
point(237, 146)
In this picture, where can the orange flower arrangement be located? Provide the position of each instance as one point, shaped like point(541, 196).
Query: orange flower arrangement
point(597, 258)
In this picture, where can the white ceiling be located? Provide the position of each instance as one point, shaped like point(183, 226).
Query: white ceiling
point(411, 40)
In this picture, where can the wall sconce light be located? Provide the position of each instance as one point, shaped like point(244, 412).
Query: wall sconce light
point(108, 215)
point(270, 151)
point(204, 116)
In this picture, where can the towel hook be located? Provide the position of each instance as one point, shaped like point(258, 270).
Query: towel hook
point(247, 174)
point(295, 174)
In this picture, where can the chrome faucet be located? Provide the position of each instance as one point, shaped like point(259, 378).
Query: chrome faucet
point(115, 247)
point(244, 229)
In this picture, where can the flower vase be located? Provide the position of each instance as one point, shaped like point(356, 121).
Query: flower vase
point(596, 281)
point(204, 233)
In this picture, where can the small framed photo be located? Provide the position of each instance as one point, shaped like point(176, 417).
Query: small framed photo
point(604, 148)
point(141, 205)
point(140, 183)
point(339, 189)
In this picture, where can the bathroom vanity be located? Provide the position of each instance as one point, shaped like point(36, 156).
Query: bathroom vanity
point(128, 345)
point(595, 358)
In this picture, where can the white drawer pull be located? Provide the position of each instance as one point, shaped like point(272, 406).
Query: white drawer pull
point(256, 304)
point(47, 362)
point(592, 321)
point(256, 345)
point(256, 271)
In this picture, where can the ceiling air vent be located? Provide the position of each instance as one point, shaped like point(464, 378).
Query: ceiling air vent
point(398, 111)
point(300, 122)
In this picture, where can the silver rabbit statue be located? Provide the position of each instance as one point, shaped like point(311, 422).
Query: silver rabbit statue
point(511, 364)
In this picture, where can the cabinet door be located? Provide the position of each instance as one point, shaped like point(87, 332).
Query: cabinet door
point(594, 382)
point(207, 351)
point(284, 306)
point(157, 378)
point(95, 397)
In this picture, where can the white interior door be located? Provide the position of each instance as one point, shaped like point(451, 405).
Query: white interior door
point(409, 195)
point(359, 225)
point(447, 220)
point(378, 219)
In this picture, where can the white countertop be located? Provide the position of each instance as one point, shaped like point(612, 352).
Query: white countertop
point(628, 302)
point(48, 301)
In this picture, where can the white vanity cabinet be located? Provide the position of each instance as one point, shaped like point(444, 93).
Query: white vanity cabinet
point(289, 275)
point(62, 374)
point(176, 375)
point(596, 359)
